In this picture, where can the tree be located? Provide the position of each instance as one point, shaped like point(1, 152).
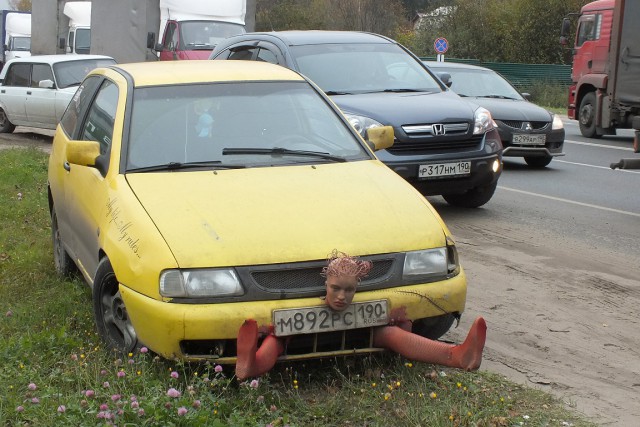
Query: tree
point(24, 5)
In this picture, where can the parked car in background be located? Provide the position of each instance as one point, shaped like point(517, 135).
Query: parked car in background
point(195, 195)
point(443, 145)
point(35, 91)
point(526, 129)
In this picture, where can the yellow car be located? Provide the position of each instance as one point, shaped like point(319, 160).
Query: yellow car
point(195, 195)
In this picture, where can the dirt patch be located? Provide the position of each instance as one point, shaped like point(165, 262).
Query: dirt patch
point(26, 137)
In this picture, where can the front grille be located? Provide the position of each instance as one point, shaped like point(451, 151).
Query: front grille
point(309, 277)
point(516, 124)
point(435, 146)
point(430, 129)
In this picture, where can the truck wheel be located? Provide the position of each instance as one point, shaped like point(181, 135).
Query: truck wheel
point(473, 198)
point(112, 318)
point(587, 116)
point(538, 162)
point(433, 327)
point(5, 125)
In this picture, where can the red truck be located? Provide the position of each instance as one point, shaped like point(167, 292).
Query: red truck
point(605, 90)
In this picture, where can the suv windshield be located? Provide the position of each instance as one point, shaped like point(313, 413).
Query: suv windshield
point(240, 124)
point(358, 68)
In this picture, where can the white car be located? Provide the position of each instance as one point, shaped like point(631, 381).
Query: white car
point(35, 91)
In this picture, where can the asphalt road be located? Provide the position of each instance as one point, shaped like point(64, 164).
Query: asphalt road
point(553, 264)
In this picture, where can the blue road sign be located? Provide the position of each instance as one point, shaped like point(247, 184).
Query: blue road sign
point(441, 45)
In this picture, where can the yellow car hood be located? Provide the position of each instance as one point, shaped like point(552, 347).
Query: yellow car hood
point(286, 214)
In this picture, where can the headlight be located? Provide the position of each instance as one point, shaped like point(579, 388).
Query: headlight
point(557, 123)
point(200, 283)
point(361, 123)
point(431, 262)
point(483, 121)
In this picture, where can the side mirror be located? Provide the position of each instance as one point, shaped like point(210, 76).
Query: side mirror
point(151, 38)
point(83, 153)
point(68, 49)
point(445, 77)
point(380, 137)
point(526, 96)
point(61, 43)
point(566, 26)
point(46, 84)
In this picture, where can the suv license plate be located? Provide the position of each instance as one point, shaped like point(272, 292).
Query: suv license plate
point(309, 320)
point(444, 169)
point(525, 139)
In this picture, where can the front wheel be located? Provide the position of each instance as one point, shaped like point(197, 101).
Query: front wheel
point(5, 125)
point(112, 318)
point(587, 116)
point(538, 162)
point(473, 198)
point(433, 327)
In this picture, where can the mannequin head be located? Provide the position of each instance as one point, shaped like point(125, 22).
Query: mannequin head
point(343, 273)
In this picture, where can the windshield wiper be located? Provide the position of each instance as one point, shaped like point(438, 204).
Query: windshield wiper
point(404, 90)
point(172, 166)
point(283, 152)
point(495, 96)
point(337, 92)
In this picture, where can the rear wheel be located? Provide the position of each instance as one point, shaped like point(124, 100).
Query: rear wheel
point(433, 327)
point(5, 125)
point(473, 198)
point(112, 318)
point(587, 116)
point(538, 162)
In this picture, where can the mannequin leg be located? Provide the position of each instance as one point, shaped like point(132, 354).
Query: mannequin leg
point(467, 355)
point(251, 361)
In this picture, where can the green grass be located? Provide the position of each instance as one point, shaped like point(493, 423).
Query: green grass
point(57, 372)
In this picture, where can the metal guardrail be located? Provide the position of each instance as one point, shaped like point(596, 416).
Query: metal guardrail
point(521, 75)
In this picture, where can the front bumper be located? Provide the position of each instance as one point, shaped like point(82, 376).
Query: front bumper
point(174, 330)
point(552, 147)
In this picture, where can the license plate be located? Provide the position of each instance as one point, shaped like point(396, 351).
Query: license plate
point(525, 139)
point(444, 169)
point(309, 320)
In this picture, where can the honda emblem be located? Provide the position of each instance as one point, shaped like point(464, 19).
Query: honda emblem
point(437, 130)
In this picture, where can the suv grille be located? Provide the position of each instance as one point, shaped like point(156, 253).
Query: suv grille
point(435, 130)
point(436, 145)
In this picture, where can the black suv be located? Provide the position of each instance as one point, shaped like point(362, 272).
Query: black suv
point(443, 145)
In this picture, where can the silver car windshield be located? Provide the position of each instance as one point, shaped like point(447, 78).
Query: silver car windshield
point(362, 67)
point(480, 83)
point(239, 124)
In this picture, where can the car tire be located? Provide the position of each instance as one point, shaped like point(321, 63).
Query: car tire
point(538, 162)
point(61, 260)
point(433, 327)
point(473, 198)
point(587, 116)
point(112, 318)
point(5, 125)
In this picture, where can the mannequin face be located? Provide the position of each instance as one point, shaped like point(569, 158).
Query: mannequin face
point(340, 291)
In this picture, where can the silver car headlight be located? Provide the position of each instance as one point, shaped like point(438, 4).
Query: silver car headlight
point(221, 282)
point(361, 123)
point(557, 123)
point(429, 263)
point(483, 122)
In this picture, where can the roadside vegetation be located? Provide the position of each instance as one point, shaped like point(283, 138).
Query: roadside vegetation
point(57, 372)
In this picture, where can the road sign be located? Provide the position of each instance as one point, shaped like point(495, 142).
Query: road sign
point(441, 45)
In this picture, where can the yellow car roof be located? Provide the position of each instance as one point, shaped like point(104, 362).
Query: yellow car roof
point(180, 72)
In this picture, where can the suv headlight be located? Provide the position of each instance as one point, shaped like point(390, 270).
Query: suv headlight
point(557, 123)
point(429, 263)
point(361, 123)
point(200, 283)
point(483, 121)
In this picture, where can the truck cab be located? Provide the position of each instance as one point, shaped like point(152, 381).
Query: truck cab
point(194, 39)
